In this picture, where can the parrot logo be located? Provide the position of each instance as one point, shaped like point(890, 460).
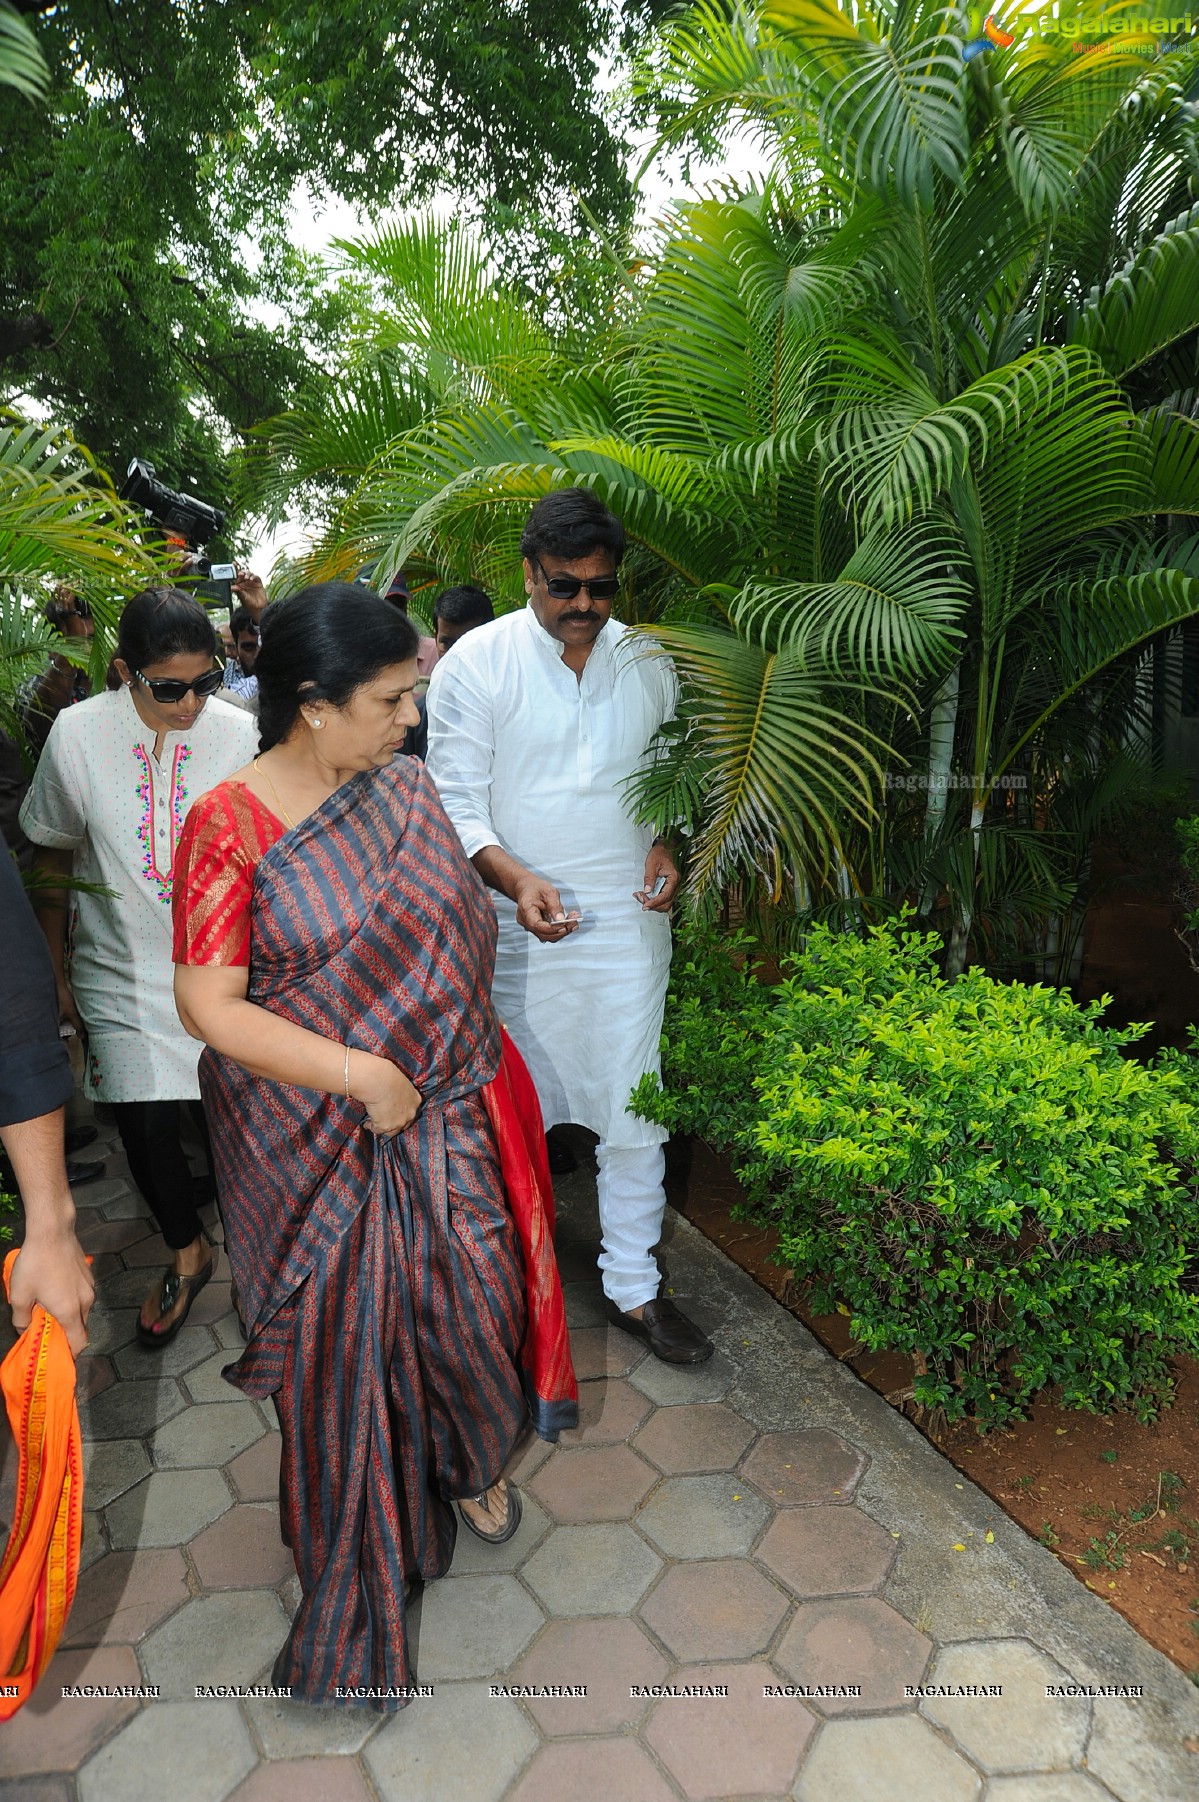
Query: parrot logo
point(992, 37)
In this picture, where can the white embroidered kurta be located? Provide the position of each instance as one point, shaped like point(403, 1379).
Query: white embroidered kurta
point(100, 792)
point(527, 757)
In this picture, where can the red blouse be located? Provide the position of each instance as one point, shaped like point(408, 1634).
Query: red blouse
point(226, 833)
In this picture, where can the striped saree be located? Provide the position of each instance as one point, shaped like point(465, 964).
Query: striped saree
point(404, 1322)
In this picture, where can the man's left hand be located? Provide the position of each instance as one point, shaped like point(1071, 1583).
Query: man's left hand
point(660, 862)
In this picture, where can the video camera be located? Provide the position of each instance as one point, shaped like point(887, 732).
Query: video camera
point(183, 517)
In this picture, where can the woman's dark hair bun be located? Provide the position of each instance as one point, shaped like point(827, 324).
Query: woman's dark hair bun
point(163, 622)
point(321, 645)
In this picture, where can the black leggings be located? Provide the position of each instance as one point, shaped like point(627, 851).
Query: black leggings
point(150, 1134)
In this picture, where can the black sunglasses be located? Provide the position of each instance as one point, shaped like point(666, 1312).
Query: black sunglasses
point(565, 588)
point(167, 691)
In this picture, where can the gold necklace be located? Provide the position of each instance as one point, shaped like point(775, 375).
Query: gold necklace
point(287, 819)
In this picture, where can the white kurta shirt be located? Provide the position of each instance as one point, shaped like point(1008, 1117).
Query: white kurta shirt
point(100, 792)
point(530, 758)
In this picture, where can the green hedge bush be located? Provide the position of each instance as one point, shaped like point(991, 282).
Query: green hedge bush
point(973, 1171)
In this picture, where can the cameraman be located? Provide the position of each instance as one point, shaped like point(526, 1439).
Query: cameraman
point(42, 698)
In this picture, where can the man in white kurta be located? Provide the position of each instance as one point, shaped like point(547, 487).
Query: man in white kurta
point(536, 723)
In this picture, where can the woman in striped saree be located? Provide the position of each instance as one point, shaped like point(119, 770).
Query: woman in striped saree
point(379, 1161)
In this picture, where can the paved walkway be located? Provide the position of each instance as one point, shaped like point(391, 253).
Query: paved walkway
point(761, 1523)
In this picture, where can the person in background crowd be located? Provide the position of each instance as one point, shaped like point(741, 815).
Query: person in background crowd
point(107, 804)
point(334, 951)
point(239, 671)
point(457, 611)
point(536, 723)
point(35, 1085)
point(62, 683)
point(426, 648)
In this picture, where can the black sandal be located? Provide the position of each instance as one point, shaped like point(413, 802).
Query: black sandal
point(173, 1286)
point(512, 1522)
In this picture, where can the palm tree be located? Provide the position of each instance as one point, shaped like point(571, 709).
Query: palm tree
point(60, 521)
point(22, 65)
point(906, 445)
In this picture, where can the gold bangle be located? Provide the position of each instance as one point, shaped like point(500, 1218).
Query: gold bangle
point(347, 1072)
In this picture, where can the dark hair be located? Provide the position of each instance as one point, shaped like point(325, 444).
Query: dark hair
point(243, 621)
point(163, 622)
point(464, 606)
point(571, 523)
point(321, 645)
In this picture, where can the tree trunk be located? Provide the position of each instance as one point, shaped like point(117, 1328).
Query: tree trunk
point(955, 961)
point(941, 732)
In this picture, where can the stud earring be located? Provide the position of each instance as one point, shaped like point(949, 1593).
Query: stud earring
point(318, 722)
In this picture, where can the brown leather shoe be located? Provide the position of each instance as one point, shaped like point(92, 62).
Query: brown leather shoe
point(668, 1333)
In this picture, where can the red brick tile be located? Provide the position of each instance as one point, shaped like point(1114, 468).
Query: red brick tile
point(720, 1609)
point(609, 1410)
point(812, 1466)
point(846, 1642)
point(242, 1550)
point(124, 1595)
point(742, 1744)
point(607, 1656)
point(54, 1732)
point(694, 1437)
point(593, 1482)
point(304, 1780)
point(592, 1770)
point(827, 1551)
point(255, 1472)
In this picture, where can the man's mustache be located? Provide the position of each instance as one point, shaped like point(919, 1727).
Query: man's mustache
point(582, 619)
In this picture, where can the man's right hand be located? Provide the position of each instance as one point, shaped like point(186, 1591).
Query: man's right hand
point(68, 1013)
point(540, 911)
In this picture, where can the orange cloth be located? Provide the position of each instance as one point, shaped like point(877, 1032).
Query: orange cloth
point(41, 1561)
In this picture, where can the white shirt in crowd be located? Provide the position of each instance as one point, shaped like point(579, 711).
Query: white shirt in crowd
point(100, 792)
point(527, 757)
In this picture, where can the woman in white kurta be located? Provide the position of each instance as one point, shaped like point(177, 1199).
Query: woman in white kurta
point(536, 723)
point(107, 805)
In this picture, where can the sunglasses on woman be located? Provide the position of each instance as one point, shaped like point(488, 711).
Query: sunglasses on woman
point(565, 588)
point(167, 691)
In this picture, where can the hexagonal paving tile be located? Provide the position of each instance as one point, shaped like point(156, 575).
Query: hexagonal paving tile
point(191, 1345)
point(703, 1517)
point(601, 1770)
point(827, 1551)
point(216, 1639)
point(94, 1542)
point(110, 1467)
point(694, 1437)
point(608, 1412)
point(474, 1557)
point(607, 1657)
point(243, 1550)
point(473, 1626)
point(126, 1289)
point(585, 1303)
point(461, 1743)
point(591, 1570)
point(723, 1609)
point(53, 1732)
point(92, 1375)
point(124, 1595)
point(740, 1744)
point(131, 1410)
point(603, 1351)
point(113, 1235)
point(197, 1750)
point(108, 1329)
point(255, 1473)
point(858, 1642)
point(1020, 1728)
point(811, 1466)
point(593, 1482)
point(207, 1384)
point(1047, 1786)
point(168, 1508)
point(884, 1761)
point(208, 1434)
point(666, 1384)
point(291, 1730)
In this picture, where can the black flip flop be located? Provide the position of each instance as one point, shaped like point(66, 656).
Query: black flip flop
point(515, 1509)
point(173, 1286)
